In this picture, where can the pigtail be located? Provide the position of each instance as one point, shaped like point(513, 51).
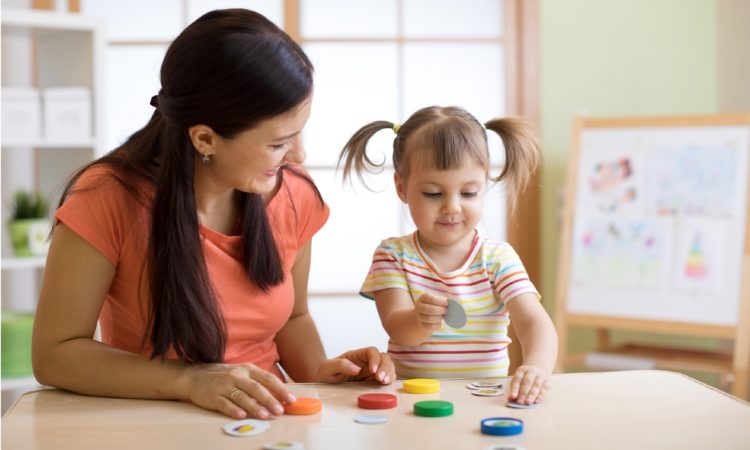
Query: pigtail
point(522, 153)
point(354, 154)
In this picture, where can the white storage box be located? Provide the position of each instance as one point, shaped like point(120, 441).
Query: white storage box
point(21, 116)
point(67, 113)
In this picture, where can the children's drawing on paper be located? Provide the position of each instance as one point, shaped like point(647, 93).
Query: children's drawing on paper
point(699, 245)
point(629, 253)
point(611, 184)
point(695, 180)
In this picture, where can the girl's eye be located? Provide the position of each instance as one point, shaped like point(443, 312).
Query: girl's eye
point(431, 194)
point(469, 194)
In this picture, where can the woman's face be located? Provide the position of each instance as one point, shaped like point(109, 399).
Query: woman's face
point(249, 162)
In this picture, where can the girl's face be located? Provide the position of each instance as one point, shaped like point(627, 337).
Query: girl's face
point(249, 162)
point(445, 205)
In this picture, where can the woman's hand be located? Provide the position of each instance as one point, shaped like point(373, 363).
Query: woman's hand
point(529, 385)
point(362, 364)
point(238, 391)
point(430, 310)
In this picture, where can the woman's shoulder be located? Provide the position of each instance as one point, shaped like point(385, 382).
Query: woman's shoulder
point(299, 183)
point(95, 175)
point(298, 206)
point(105, 183)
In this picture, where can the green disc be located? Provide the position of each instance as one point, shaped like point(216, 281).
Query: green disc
point(433, 408)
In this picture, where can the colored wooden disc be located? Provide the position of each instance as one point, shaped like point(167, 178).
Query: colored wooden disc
point(304, 406)
point(433, 408)
point(377, 401)
point(421, 386)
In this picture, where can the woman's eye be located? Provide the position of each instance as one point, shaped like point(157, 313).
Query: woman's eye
point(280, 146)
point(469, 194)
point(431, 194)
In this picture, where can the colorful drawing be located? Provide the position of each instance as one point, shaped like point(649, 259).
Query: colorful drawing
point(699, 246)
point(695, 266)
point(627, 253)
point(696, 181)
point(611, 184)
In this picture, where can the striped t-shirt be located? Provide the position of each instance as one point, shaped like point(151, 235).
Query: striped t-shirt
point(491, 276)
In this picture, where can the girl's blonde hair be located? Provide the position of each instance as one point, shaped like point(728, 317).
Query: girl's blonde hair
point(444, 137)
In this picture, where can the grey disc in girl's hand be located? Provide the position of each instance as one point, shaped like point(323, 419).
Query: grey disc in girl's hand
point(456, 316)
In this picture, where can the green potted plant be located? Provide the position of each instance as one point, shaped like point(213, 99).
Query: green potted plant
point(29, 225)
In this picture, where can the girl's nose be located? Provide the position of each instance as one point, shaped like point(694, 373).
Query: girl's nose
point(451, 205)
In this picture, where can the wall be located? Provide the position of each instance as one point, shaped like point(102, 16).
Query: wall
point(617, 58)
point(734, 55)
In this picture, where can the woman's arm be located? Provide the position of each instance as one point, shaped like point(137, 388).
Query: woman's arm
point(301, 351)
point(298, 342)
point(76, 280)
point(65, 354)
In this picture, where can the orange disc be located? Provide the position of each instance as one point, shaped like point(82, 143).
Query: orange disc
point(303, 406)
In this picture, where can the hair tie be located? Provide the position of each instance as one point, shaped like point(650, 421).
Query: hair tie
point(396, 127)
point(483, 127)
point(155, 101)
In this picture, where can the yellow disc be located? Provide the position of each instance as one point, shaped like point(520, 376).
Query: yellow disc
point(421, 386)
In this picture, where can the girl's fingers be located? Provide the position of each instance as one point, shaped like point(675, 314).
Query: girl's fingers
point(515, 386)
point(533, 393)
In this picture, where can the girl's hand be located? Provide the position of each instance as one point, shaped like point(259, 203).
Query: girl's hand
point(238, 391)
point(430, 310)
point(529, 385)
point(362, 364)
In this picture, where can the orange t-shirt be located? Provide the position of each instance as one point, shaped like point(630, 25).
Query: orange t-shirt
point(109, 218)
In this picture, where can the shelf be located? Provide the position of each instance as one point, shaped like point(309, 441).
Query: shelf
point(20, 383)
point(49, 20)
point(23, 263)
point(52, 144)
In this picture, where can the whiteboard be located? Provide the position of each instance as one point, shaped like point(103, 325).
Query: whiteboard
point(659, 222)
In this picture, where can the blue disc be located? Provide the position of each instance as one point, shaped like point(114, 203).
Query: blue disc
point(502, 426)
point(371, 419)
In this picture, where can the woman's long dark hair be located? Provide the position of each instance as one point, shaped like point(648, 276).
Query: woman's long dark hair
point(229, 70)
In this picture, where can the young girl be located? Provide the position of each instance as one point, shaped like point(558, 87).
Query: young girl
point(441, 162)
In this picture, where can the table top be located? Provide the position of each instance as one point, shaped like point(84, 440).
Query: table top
point(647, 409)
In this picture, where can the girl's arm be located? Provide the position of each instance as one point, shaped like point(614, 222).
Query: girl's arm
point(408, 322)
point(538, 339)
point(65, 355)
point(301, 351)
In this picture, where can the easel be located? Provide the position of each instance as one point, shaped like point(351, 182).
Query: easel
point(733, 366)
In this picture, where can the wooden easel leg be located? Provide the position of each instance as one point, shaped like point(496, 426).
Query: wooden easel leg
point(741, 357)
point(602, 339)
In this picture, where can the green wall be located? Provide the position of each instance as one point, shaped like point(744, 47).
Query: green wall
point(616, 58)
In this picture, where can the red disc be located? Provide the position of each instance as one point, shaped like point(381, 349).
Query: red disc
point(377, 401)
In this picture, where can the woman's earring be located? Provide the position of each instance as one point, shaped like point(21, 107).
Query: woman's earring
point(206, 158)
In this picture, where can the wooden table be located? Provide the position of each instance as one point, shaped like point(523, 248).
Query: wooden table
point(614, 410)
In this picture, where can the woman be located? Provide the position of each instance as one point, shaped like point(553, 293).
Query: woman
point(190, 243)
